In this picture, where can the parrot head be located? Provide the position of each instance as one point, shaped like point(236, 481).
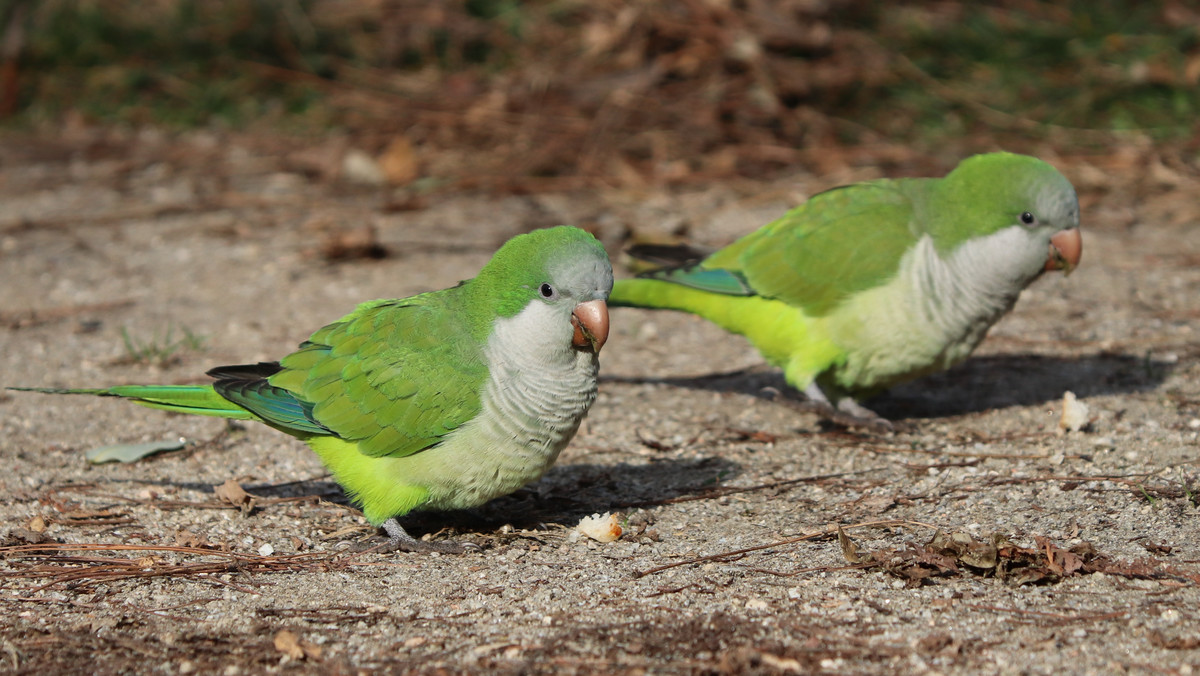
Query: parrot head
point(563, 272)
point(1023, 208)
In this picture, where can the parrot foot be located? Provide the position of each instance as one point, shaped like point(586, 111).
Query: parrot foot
point(853, 414)
point(847, 413)
point(401, 541)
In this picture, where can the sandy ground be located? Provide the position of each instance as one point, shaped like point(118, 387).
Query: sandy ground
point(143, 568)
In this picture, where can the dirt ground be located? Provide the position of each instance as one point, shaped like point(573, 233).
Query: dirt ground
point(202, 250)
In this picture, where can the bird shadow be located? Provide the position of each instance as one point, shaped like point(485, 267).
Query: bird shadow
point(978, 384)
point(572, 491)
point(1001, 381)
point(567, 493)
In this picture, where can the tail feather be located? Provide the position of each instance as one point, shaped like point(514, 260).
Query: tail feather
point(669, 255)
point(193, 399)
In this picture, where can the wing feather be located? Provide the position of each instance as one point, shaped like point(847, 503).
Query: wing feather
point(393, 376)
point(837, 243)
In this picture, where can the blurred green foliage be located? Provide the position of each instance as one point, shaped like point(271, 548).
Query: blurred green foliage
point(1102, 65)
point(179, 63)
point(929, 70)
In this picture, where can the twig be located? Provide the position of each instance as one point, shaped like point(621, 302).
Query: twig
point(117, 568)
point(827, 531)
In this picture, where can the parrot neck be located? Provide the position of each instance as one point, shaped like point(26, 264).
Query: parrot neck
point(966, 291)
point(536, 395)
point(539, 387)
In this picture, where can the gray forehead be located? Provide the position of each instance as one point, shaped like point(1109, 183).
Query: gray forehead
point(583, 270)
point(1057, 199)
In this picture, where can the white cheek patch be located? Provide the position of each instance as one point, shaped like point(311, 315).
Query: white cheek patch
point(1005, 260)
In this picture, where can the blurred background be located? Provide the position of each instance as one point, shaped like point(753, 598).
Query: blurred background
point(568, 94)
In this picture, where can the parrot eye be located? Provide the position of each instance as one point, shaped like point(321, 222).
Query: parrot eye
point(547, 291)
point(1028, 218)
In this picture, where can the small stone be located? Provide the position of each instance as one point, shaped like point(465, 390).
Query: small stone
point(757, 604)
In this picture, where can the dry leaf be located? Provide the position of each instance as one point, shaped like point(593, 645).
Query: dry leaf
point(1160, 640)
point(289, 644)
point(232, 492)
point(360, 242)
point(399, 161)
point(186, 538)
point(849, 549)
point(37, 524)
point(965, 548)
point(131, 452)
point(19, 535)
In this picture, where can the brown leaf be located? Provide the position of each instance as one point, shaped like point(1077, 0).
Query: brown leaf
point(939, 644)
point(1069, 563)
point(965, 549)
point(186, 538)
point(1152, 547)
point(1028, 575)
point(1159, 640)
point(360, 242)
point(311, 651)
point(753, 435)
point(287, 643)
point(399, 161)
point(980, 555)
point(232, 492)
point(849, 549)
point(19, 535)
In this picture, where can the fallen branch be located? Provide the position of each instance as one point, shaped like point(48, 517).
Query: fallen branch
point(828, 531)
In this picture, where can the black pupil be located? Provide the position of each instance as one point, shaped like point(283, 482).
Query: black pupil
point(1026, 217)
point(547, 291)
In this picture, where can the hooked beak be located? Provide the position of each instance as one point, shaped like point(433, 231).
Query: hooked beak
point(590, 320)
point(1066, 246)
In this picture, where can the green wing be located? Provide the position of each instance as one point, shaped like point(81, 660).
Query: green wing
point(394, 376)
point(839, 242)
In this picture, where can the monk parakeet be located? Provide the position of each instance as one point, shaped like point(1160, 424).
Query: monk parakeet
point(869, 285)
point(440, 401)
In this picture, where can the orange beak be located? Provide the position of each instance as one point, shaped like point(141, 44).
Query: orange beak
point(590, 320)
point(1066, 246)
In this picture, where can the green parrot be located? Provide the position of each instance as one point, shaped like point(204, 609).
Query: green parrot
point(440, 401)
point(873, 284)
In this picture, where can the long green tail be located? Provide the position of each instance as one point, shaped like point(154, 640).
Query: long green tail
point(194, 399)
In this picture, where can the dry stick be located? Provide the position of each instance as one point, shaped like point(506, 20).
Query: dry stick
point(163, 503)
point(814, 569)
point(1132, 483)
point(881, 450)
point(1115, 478)
point(126, 568)
point(829, 530)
